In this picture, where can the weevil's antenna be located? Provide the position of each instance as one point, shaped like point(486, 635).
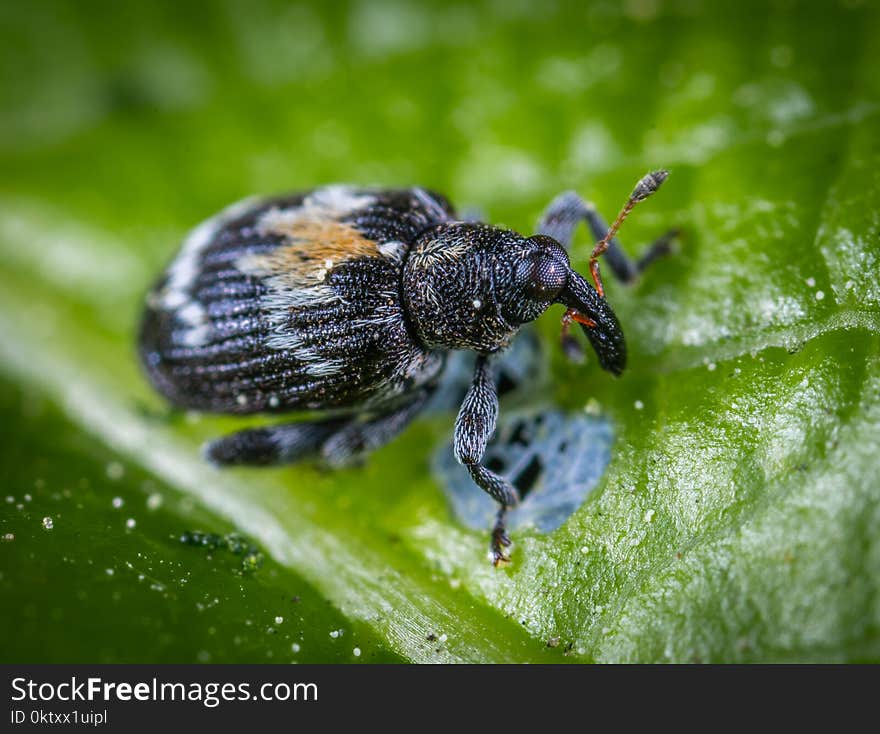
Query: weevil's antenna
point(648, 184)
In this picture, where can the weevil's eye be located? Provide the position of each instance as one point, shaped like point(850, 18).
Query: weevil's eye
point(541, 273)
point(545, 270)
point(546, 278)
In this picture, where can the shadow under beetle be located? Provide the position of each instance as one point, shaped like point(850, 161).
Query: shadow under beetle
point(347, 300)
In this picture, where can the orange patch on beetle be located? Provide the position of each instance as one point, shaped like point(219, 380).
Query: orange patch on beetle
point(322, 240)
point(315, 248)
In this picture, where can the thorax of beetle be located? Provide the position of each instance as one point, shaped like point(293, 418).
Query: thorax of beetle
point(449, 291)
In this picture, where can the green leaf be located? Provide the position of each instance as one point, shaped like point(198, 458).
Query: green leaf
point(737, 518)
point(94, 546)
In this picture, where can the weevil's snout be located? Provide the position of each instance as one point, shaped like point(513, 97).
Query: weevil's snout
point(597, 320)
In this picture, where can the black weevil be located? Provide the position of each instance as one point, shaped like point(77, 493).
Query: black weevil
point(347, 300)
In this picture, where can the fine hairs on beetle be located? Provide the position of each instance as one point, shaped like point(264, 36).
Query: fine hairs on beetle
point(347, 300)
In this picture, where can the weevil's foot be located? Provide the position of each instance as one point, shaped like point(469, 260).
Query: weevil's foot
point(573, 350)
point(500, 541)
point(499, 560)
point(665, 244)
point(571, 347)
point(661, 247)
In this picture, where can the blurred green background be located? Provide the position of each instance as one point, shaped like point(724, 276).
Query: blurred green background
point(738, 518)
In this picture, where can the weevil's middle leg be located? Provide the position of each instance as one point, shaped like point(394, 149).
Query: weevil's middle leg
point(473, 429)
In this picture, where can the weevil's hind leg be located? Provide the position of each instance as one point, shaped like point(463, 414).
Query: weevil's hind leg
point(568, 209)
point(337, 441)
point(284, 443)
point(473, 429)
point(359, 437)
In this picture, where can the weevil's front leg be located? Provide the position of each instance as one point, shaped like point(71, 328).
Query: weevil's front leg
point(568, 210)
point(473, 429)
point(624, 269)
point(565, 212)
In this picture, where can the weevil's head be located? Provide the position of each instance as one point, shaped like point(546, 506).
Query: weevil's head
point(543, 277)
point(471, 286)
